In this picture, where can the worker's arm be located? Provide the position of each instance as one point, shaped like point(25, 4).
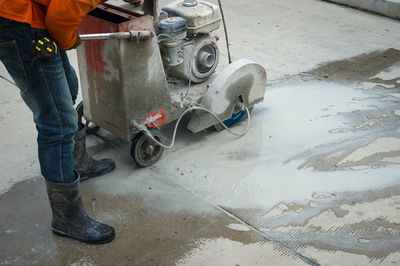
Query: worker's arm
point(62, 18)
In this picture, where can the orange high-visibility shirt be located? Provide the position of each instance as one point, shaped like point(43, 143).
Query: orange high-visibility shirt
point(59, 17)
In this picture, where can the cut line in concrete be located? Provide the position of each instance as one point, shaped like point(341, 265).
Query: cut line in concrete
point(287, 248)
point(9, 81)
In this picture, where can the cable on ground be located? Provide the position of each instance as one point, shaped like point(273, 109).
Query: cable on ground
point(148, 133)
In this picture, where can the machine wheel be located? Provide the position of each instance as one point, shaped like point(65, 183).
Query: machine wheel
point(144, 151)
point(90, 127)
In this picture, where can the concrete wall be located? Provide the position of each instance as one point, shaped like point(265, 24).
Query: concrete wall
point(389, 8)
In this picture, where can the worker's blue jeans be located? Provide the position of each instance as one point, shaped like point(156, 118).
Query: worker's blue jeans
point(49, 88)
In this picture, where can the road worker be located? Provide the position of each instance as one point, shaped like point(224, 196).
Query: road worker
point(34, 38)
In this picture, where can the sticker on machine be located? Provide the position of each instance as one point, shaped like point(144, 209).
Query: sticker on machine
point(155, 119)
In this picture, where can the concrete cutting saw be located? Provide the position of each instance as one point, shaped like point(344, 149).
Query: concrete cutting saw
point(142, 68)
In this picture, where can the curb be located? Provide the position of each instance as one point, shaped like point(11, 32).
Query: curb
point(388, 8)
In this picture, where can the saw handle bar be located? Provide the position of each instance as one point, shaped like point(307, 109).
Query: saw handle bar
point(128, 35)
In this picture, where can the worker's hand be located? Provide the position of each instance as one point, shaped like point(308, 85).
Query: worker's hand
point(77, 42)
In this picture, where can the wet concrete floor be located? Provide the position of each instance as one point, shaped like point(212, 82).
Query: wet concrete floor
point(314, 181)
point(154, 221)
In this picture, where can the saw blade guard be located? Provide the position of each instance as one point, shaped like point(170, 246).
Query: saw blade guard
point(244, 80)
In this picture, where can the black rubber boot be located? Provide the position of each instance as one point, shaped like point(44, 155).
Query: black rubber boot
point(83, 163)
point(69, 217)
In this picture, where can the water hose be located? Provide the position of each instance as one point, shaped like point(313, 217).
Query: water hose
point(144, 129)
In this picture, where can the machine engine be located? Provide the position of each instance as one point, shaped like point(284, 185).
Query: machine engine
point(188, 50)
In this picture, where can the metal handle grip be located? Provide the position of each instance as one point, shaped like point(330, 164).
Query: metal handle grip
point(128, 35)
